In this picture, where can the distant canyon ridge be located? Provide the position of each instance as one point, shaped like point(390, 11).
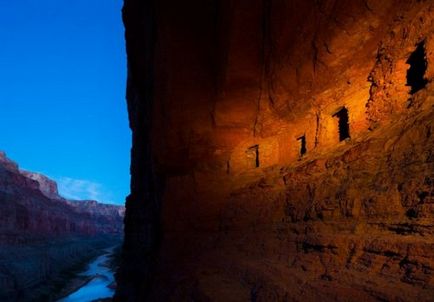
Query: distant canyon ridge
point(31, 206)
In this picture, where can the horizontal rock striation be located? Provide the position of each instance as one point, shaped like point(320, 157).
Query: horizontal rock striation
point(32, 208)
point(282, 151)
point(47, 186)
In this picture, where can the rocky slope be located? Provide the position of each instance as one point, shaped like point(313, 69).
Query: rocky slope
point(42, 235)
point(39, 270)
point(32, 207)
point(282, 151)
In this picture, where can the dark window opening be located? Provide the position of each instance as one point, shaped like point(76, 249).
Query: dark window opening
point(253, 156)
point(303, 149)
point(416, 73)
point(344, 127)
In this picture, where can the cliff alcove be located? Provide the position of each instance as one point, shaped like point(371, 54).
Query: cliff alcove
point(225, 96)
point(416, 73)
point(302, 140)
point(344, 127)
point(253, 156)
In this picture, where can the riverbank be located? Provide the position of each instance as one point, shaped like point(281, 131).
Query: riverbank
point(73, 285)
point(39, 271)
point(100, 280)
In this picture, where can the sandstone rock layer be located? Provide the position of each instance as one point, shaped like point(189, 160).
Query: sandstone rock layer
point(32, 209)
point(282, 151)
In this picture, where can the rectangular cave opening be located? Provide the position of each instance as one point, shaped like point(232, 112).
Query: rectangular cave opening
point(303, 148)
point(343, 124)
point(253, 156)
point(418, 65)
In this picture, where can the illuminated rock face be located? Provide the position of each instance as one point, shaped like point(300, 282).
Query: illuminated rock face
point(282, 150)
point(47, 186)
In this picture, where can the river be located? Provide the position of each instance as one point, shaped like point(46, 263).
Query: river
point(98, 287)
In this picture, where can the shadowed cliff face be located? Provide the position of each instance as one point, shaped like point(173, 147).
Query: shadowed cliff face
point(282, 151)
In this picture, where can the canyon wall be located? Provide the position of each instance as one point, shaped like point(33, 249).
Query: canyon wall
point(282, 151)
point(31, 207)
point(38, 271)
point(44, 237)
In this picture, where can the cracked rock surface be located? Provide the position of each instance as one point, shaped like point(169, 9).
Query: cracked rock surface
point(246, 185)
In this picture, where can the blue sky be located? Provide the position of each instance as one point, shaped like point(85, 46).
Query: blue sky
point(62, 94)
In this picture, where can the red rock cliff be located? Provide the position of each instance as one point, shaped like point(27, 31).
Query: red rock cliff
point(31, 209)
point(282, 151)
point(47, 186)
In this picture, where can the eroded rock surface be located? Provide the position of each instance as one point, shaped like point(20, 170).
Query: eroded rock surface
point(31, 206)
point(282, 151)
point(47, 186)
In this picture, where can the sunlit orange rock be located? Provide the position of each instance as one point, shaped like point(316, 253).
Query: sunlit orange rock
point(282, 151)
